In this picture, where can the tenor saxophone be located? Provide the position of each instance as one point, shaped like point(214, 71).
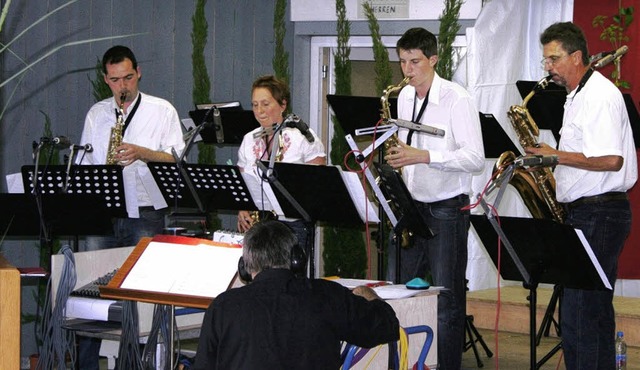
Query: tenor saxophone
point(115, 139)
point(536, 186)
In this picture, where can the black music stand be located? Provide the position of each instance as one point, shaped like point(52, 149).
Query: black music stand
point(202, 186)
point(361, 112)
point(235, 121)
point(356, 112)
point(495, 139)
point(540, 251)
point(316, 194)
point(409, 217)
point(546, 106)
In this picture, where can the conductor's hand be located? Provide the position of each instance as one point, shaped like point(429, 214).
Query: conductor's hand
point(244, 221)
point(366, 292)
point(404, 155)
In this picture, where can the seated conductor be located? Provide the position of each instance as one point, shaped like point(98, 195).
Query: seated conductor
point(283, 320)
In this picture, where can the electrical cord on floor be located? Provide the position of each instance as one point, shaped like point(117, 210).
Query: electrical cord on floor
point(129, 356)
point(57, 342)
point(159, 333)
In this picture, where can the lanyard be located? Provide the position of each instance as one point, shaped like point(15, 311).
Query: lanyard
point(131, 113)
point(415, 119)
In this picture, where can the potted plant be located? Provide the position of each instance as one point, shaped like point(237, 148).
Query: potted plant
point(613, 30)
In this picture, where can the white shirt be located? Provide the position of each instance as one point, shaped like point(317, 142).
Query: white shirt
point(455, 156)
point(155, 125)
point(295, 149)
point(596, 123)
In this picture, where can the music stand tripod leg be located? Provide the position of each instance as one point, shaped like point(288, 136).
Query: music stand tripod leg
point(548, 319)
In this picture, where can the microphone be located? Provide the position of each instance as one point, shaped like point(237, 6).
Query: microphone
point(217, 124)
point(536, 161)
point(295, 122)
point(611, 57)
point(86, 147)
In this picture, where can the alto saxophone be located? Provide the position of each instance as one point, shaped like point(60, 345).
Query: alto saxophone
point(385, 115)
point(115, 140)
point(536, 186)
point(385, 112)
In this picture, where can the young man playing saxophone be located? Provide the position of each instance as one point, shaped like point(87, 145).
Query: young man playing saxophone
point(438, 171)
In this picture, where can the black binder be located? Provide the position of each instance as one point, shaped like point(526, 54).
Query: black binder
point(235, 124)
point(355, 112)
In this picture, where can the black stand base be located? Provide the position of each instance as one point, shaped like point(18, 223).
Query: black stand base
point(472, 336)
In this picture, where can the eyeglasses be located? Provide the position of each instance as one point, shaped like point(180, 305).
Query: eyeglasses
point(552, 60)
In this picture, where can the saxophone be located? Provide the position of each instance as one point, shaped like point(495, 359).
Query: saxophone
point(536, 186)
point(115, 140)
point(385, 115)
point(385, 112)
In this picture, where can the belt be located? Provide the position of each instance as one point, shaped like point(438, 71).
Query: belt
point(602, 198)
point(449, 202)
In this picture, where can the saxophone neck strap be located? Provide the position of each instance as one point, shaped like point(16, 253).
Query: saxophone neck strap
point(131, 114)
point(584, 80)
point(417, 119)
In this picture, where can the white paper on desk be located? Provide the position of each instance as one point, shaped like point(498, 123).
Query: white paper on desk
point(262, 194)
point(397, 291)
point(593, 258)
point(14, 183)
point(367, 211)
point(198, 270)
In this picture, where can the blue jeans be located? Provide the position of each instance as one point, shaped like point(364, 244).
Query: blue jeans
point(127, 232)
point(445, 257)
point(588, 320)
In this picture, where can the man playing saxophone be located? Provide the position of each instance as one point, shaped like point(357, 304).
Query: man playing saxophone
point(151, 129)
point(597, 165)
point(437, 172)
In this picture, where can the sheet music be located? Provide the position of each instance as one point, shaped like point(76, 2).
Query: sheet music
point(367, 211)
point(197, 270)
point(593, 258)
point(262, 194)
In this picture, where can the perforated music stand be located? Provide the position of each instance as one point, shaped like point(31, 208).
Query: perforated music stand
point(214, 186)
point(235, 124)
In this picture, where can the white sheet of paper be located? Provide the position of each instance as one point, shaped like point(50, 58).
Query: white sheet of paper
point(262, 194)
point(593, 259)
point(198, 270)
point(366, 209)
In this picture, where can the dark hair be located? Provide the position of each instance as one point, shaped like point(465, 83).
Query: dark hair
point(418, 38)
point(267, 245)
point(116, 55)
point(569, 35)
point(278, 89)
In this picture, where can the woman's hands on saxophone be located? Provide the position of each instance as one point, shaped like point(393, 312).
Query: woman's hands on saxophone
point(244, 221)
point(405, 155)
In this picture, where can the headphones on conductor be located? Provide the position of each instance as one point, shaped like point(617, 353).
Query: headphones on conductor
point(297, 263)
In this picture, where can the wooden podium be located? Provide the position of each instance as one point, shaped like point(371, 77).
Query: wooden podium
point(176, 271)
point(9, 316)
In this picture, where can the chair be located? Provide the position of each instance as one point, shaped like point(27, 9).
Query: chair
point(352, 354)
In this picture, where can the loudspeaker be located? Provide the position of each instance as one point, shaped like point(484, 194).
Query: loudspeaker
point(298, 264)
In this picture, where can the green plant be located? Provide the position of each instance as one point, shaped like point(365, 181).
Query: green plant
point(382, 66)
point(344, 253)
point(280, 59)
point(449, 27)
point(614, 33)
point(100, 88)
point(201, 88)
